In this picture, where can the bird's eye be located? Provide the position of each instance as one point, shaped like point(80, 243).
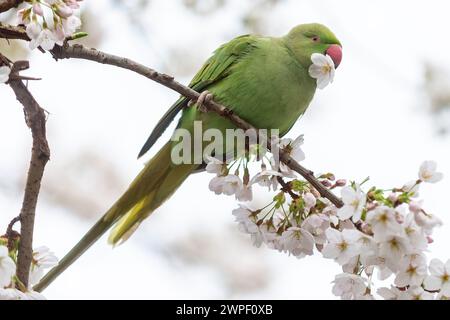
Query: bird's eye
point(315, 39)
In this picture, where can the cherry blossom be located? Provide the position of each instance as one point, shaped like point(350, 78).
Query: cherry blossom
point(341, 246)
point(427, 172)
point(322, 69)
point(7, 267)
point(49, 22)
point(298, 241)
point(354, 201)
point(349, 286)
point(383, 222)
point(439, 278)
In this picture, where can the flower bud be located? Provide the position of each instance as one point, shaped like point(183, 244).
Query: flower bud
point(326, 183)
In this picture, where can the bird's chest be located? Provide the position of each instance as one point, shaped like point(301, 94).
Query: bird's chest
point(269, 93)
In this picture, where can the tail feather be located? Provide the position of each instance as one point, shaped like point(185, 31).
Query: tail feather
point(155, 183)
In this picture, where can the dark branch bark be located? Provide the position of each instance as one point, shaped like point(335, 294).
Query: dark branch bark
point(5, 5)
point(40, 154)
point(13, 33)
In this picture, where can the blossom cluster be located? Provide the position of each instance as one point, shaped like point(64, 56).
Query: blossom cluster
point(377, 233)
point(11, 287)
point(49, 22)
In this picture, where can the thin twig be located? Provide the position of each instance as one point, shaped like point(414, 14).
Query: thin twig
point(40, 154)
point(286, 187)
point(10, 233)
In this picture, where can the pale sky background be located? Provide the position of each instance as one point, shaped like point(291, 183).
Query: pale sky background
point(372, 121)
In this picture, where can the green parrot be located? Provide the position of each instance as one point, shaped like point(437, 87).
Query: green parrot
point(264, 80)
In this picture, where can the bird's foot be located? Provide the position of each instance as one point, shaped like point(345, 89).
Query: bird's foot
point(204, 97)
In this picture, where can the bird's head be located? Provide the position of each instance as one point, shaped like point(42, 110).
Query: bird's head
point(306, 39)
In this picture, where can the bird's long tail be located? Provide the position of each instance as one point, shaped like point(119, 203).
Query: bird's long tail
point(155, 183)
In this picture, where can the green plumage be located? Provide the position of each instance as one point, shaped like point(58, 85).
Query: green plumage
point(264, 80)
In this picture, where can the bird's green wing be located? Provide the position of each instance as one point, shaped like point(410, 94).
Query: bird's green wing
point(215, 69)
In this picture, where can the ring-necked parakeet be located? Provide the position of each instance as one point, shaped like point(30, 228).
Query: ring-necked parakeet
point(264, 80)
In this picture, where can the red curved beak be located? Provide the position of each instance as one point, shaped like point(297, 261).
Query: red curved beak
point(335, 53)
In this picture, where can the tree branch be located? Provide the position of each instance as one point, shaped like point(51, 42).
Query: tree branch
point(5, 5)
point(40, 154)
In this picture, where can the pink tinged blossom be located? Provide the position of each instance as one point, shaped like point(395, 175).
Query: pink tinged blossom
point(414, 233)
point(415, 206)
point(33, 31)
point(266, 178)
point(216, 184)
point(393, 248)
point(270, 236)
point(46, 40)
point(298, 241)
point(427, 221)
point(72, 3)
point(392, 293)
point(59, 34)
point(428, 173)
point(352, 265)
point(246, 219)
point(354, 202)
point(367, 246)
point(341, 246)
point(231, 184)
point(71, 24)
point(64, 11)
point(24, 16)
point(349, 286)
point(7, 267)
point(310, 201)
point(245, 193)
point(411, 273)
point(384, 267)
point(228, 185)
point(383, 222)
point(214, 165)
point(416, 293)
point(316, 225)
point(37, 9)
point(439, 278)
